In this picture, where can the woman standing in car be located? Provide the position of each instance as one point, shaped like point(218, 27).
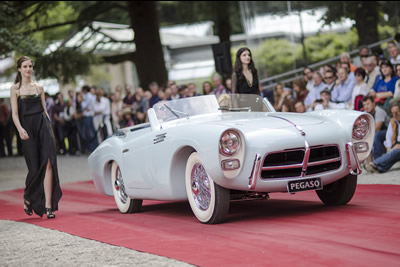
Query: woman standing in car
point(245, 76)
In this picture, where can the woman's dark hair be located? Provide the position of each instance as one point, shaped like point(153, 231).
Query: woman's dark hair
point(238, 65)
point(21, 60)
point(386, 62)
point(301, 84)
point(360, 71)
point(204, 91)
point(77, 103)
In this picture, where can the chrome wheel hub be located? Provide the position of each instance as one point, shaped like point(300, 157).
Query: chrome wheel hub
point(201, 191)
point(120, 187)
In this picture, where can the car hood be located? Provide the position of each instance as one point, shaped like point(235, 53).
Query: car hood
point(271, 120)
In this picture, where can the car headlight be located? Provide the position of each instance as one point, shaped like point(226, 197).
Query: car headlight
point(360, 127)
point(229, 143)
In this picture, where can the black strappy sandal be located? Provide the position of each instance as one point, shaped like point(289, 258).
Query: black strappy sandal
point(50, 214)
point(28, 209)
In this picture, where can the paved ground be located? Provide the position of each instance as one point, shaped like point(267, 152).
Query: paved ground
point(23, 244)
point(21, 241)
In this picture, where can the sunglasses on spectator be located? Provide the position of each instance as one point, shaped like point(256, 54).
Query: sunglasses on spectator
point(328, 77)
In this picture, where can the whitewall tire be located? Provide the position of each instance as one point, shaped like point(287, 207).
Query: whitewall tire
point(124, 203)
point(209, 201)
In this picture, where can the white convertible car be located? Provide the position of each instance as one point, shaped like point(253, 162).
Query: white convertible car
point(210, 151)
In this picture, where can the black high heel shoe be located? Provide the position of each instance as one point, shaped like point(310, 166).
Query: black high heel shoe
point(28, 209)
point(50, 214)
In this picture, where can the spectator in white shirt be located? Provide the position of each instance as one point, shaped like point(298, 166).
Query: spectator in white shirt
point(102, 109)
point(372, 71)
point(314, 94)
point(325, 102)
point(381, 123)
point(394, 55)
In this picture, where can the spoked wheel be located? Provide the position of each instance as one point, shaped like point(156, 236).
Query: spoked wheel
point(209, 201)
point(124, 203)
point(339, 192)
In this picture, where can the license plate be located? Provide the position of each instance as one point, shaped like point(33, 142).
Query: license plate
point(304, 185)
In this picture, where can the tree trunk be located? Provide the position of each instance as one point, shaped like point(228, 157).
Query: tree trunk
point(149, 56)
point(367, 22)
point(223, 25)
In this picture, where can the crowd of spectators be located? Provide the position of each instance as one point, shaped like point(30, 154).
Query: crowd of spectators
point(372, 87)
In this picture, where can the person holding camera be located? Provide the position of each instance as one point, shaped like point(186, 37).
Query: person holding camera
point(325, 102)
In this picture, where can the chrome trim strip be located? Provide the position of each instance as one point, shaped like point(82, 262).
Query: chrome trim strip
point(159, 138)
point(298, 128)
point(254, 173)
point(299, 165)
point(322, 162)
point(306, 158)
point(349, 146)
point(282, 167)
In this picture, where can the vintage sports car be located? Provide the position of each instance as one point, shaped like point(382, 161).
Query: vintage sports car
point(210, 151)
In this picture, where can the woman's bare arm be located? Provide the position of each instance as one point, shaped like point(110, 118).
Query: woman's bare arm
point(14, 107)
point(234, 83)
point(41, 90)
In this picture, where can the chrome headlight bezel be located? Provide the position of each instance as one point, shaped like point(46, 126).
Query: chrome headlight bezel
point(361, 128)
point(229, 143)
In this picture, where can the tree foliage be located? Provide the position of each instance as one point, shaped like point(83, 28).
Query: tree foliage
point(364, 13)
point(63, 64)
point(328, 45)
point(275, 56)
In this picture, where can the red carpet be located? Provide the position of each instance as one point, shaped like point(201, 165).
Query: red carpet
point(286, 230)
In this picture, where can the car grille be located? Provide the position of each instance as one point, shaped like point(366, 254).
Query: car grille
point(289, 163)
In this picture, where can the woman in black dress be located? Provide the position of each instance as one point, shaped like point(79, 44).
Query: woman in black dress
point(42, 192)
point(245, 76)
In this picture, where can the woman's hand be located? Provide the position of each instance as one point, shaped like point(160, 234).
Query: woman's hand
point(23, 134)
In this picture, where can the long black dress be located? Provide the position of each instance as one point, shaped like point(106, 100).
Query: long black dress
point(37, 150)
point(243, 86)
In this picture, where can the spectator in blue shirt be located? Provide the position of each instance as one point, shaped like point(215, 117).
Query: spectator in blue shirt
point(384, 87)
point(344, 87)
point(154, 91)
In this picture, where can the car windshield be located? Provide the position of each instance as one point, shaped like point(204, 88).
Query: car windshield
point(209, 104)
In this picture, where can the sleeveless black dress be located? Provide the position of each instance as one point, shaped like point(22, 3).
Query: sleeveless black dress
point(244, 88)
point(37, 150)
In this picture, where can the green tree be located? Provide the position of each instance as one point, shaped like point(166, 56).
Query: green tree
point(275, 56)
point(365, 14)
point(29, 27)
point(328, 45)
